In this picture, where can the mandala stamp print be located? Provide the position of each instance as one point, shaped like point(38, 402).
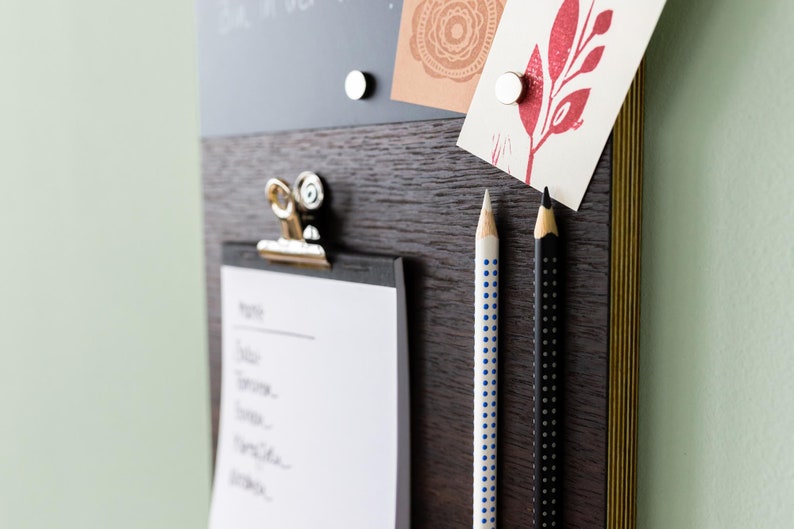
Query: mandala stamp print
point(452, 39)
point(442, 49)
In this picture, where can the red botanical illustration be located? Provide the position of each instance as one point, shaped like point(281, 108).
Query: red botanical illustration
point(569, 56)
point(501, 148)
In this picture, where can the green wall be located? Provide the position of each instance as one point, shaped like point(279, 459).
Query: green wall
point(717, 367)
point(104, 417)
point(104, 414)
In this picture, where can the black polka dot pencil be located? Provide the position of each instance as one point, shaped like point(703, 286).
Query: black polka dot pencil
point(548, 373)
point(486, 349)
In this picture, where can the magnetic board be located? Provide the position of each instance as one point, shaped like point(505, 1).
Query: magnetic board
point(406, 189)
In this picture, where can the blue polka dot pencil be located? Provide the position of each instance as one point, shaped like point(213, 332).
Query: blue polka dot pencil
point(486, 350)
point(548, 369)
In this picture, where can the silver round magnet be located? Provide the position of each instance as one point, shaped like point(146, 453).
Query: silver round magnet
point(357, 85)
point(510, 88)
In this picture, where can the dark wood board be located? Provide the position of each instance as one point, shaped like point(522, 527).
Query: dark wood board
point(406, 189)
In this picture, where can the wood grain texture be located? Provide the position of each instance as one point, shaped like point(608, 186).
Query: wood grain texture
point(407, 190)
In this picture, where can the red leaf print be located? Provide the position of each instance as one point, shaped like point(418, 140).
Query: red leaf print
point(591, 61)
point(529, 107)
point(568, 114)
point(602, 23)
point(563, 33)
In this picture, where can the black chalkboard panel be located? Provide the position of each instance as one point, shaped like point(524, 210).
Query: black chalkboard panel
point(273, 65)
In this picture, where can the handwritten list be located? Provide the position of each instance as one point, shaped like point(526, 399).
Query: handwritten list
point(308, 426)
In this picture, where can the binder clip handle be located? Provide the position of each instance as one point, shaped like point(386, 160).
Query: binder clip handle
point(293, 207)
point(283, 205)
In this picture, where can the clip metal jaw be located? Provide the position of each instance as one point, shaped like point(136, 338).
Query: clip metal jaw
point(293, 208)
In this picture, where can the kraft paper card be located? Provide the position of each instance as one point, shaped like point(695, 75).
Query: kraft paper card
point(441, 50)
point(578, 59)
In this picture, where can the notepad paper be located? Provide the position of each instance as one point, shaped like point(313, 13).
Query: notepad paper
point(308, 432)
point(578, 58)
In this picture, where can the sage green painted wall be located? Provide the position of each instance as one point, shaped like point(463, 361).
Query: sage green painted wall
point(104, 414)
point(103, 372)
point(717, 367)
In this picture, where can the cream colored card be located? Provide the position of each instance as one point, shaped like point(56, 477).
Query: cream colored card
point(578, 59)
point(442, 48)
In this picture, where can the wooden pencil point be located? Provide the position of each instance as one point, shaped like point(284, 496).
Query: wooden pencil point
point(546, 223)
point(486, 202)
point(486, 226)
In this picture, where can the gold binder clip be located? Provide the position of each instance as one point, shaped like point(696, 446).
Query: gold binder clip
point(305, 198)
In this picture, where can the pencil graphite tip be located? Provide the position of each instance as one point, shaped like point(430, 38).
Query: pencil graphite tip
point(486, 202)
point(546, 223)
point(546, 202)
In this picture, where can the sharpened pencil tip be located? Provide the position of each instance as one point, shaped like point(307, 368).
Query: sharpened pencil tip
point(546, 202)
point(486, 225)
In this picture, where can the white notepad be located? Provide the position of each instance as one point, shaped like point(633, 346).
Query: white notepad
point(314, 397)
